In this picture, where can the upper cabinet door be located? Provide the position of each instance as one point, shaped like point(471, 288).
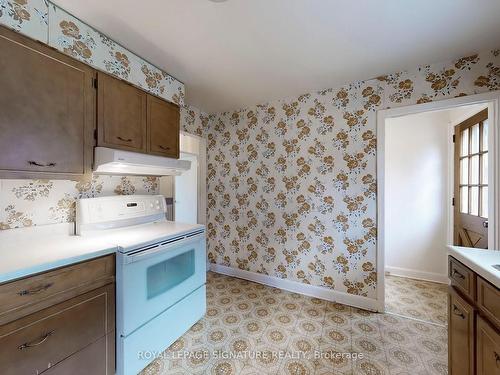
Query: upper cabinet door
point(47, 111)
point(163, 127)
point(121, 114)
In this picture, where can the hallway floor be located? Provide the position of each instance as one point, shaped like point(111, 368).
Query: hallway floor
point(266, 330)
point(423, 300)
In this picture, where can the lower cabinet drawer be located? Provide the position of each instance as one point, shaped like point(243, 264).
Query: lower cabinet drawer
point(96, 359)
point(39, 341)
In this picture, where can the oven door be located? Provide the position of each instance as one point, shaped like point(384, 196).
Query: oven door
point(152, 280)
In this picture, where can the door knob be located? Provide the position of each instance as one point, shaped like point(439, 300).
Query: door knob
point(485, 223)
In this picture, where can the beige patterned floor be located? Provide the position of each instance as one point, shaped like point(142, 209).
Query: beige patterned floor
point(423, 300)
point(271, 331)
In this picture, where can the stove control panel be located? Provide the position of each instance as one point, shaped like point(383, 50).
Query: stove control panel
point(110, 209)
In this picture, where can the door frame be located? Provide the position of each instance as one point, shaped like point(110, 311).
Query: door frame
point(493, 100)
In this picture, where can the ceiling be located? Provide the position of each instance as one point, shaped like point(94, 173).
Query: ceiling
point(242, 52)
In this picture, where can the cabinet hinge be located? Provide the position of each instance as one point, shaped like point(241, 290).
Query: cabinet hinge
point(94, 82)
point(95, 134)
point(453, 201)
point(453, 138)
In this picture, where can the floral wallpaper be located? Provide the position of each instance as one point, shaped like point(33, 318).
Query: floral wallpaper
point(292, 183)
point(44, 21)
point(27, 16)
point(26, 203)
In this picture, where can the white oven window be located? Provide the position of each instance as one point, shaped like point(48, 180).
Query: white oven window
point(169, 273)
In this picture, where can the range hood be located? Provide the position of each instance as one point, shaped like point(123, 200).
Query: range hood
point(118, 162)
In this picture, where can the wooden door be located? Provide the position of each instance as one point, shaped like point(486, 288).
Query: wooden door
point(488, 349)
point(47, 111)
point(121, 114)
point(471, 182)
point(460, 335)
point(163, 127)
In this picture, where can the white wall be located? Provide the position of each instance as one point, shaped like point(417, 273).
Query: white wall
point(417, 195)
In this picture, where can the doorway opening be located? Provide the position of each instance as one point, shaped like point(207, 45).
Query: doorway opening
point(436, 181)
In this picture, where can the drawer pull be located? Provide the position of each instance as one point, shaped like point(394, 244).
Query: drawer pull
point(37, 164)
point(455, 272)
point(164, 148)
point(457, 312)
point(124, 139)
point(40, 341)
point(35, 291)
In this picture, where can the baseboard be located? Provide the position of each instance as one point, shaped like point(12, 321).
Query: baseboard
point(419, 275)
point(300, 288)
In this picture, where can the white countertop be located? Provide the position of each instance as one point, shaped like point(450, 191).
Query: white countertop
point(27, 251)
point(479, 260)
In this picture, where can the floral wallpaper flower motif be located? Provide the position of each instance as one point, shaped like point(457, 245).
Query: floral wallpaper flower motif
point(14, 218)
point(27, 16)
point(33, 189)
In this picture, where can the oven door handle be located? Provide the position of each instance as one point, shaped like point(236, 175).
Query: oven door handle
point(160, 249)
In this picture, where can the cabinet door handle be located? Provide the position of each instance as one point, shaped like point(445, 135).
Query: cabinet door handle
point(39, 341)
point(124, 139)
point(457, 312)
point(36, 290)
point(497, 358)
point(37, 164)
point(455, 272)
point(164, 148)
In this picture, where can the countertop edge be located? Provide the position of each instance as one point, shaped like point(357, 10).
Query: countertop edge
point(52, 265)
point(474, 265)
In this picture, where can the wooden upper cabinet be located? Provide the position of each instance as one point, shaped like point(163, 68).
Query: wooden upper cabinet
point(121, 115)
point(163, 127)
point(47, 111)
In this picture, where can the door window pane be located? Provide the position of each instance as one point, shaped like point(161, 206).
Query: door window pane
point(484, 170)
point(474, 139)
point(474, 173)
point(169, 273)
point(464, 171)
point(464, 149)
point(474, 201)
point(485, 135)
point(464, 199)
point(484, 202)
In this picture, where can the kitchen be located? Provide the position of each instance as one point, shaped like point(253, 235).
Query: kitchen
point(118, 194)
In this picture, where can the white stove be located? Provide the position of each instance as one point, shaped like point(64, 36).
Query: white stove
point(160, 273)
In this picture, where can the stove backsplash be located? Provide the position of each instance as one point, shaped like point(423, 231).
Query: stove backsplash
point(25, 203)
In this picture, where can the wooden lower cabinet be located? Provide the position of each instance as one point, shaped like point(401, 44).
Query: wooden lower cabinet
point(460, 335)
point(96, 359)
point(75, 336)
point(488, 349)
point(473, 330)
